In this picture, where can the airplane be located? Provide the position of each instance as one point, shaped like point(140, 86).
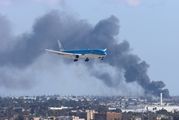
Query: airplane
point(81, 53)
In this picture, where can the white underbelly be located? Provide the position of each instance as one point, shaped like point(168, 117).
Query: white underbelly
point(91, 56)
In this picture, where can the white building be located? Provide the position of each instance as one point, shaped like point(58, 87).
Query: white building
point(157, 108)
point(152, 108)
point(68, 118)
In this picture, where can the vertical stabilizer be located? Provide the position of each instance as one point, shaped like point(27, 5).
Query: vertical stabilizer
point(60, 46)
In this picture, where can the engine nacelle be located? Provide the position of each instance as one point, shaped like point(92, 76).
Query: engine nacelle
point(76, 56)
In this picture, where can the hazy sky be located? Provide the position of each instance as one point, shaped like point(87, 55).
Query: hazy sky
point(150, 27)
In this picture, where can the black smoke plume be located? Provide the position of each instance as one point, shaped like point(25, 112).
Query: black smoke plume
point(78, 34)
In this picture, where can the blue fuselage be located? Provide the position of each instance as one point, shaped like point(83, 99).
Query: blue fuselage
point(87, 51)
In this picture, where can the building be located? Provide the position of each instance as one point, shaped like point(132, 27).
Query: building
point(76, 118)
point(162, 106)
point(87, 115)
point(108, 116)
point(68, 118)
point(152, 108)
point(90, 114)
point(58, 108)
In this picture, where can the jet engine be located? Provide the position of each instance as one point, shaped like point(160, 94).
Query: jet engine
point(76, 56)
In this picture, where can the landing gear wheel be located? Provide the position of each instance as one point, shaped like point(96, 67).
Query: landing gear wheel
point(75, 60)
point(86, 60)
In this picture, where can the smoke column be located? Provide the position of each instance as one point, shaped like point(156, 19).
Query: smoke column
point(76, 34)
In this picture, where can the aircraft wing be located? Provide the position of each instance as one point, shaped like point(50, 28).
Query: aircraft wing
point(63, 53)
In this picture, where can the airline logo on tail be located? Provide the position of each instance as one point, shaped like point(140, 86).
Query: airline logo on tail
point(81, 53)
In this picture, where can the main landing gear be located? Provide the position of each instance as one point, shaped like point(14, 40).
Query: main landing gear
point(101, 58)
point(86, 60)
point(75, 60)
